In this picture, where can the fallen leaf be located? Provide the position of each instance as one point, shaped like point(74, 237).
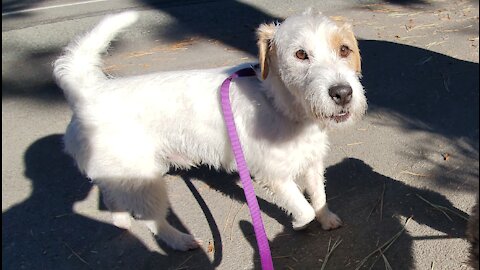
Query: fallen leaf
point(210, 247)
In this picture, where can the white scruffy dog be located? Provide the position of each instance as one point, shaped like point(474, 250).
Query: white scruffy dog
point(126, 133)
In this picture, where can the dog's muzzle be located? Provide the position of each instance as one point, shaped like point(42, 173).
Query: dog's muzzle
point(341, 94)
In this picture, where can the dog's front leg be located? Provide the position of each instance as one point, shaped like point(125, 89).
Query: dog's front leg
point(315, 188)
point(289, 197)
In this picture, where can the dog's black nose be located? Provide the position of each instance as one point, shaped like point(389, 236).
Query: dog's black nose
point(341, 94)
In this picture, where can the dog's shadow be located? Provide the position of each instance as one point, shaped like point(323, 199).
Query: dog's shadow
point(374, 208)
point(44, 231)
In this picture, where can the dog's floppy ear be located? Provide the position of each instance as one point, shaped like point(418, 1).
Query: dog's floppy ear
point(265, 33)
point(356, 58)
point(346, 32)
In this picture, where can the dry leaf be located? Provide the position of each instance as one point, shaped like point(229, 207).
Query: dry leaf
point(210, 247)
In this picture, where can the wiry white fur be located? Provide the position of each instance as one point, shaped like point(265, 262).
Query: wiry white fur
point(126, 133)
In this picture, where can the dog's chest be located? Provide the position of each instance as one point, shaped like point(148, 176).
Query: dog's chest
point(307, 147)
point(288, 155)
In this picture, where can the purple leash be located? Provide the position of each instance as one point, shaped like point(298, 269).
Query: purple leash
point(262, 241)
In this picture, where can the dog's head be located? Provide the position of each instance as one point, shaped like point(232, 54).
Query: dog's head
point(318, 61)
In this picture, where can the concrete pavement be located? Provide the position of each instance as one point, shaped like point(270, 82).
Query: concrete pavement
point(420, 70)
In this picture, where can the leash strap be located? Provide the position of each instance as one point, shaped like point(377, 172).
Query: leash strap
point(262, 241)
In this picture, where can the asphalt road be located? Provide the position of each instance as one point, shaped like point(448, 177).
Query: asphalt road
point(420, 70)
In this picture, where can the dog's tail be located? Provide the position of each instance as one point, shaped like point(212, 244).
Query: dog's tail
point(80, 66)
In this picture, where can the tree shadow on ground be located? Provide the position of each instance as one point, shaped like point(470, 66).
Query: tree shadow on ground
point(419, 90)
point(231, 22)
point(436, 92)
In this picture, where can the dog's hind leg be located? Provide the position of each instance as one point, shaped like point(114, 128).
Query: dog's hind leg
point(148, 201)
point(154, 210)
point(120, 216)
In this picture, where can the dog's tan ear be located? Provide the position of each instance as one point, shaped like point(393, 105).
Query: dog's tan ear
point(356, 58)
point(346, 35)
point(265, 33)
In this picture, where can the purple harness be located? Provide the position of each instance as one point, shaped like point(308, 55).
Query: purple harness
point(262, 241)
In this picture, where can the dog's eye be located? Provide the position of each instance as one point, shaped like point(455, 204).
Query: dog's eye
point(345, 51)
point(301, 54)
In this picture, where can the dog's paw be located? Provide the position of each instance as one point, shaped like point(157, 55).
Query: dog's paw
point(185, 242)
point(329, 220)
point(180, 241)
point(173, 237)
point(302, 222)
point(122, 220)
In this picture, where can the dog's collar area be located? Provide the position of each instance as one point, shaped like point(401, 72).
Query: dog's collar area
point(261, 236)
point(246, 72)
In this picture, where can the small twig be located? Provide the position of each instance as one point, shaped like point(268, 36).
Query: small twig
point(379, 202)
point(434, 43)
point(415, 174)
point(452, 170)
point(355, 143)
point(454, 30)
point(374, 262)
point(233, 221)
point(334, 197)
point(385, 260)
point(446, 80)
point(76, 255)
point(385, 246)
point(373, 209)
point(330, 251)
point(443, 209)
point(63, 215)
point(343, 150)
point(424, 61)
point(423, 26)
point(435, 207)
point(184, 262)
point(228, 216)
point(410, 37)
point(281, 257)
point(432, 266)
point(454, 212)
point(282, 234)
